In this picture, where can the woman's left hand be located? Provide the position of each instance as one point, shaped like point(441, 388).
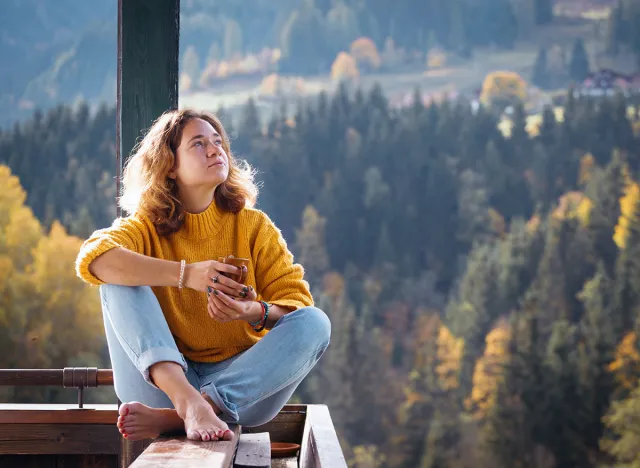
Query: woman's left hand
point(223, 308)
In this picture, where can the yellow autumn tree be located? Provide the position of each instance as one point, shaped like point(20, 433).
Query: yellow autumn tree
point(489, 370)
point(502, 88)
point(365, 53)
point(574, 205)
point(436, 58)
point(625, 366)
point(498, 224)
point(449, 353)
point(587, 166)
point(627, 207)
point(344, 67)
point(48, 317)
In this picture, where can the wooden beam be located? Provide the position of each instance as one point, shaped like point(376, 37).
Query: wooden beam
point(148, 45)
point(320, 446)
point(254, 451)
point(59, 461)
point(173, 452)
point(63, 439)
point(57, 414)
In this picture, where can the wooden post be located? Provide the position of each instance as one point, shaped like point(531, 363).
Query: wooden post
point(148, 45)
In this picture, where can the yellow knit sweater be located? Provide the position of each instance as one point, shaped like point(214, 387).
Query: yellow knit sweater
point(207, 236)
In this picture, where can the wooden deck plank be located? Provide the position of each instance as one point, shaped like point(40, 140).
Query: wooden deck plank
point(58, 414)
point(254, 450)
point(172, 452)
point(82, 439)
point(320, 446)
point(59, 461)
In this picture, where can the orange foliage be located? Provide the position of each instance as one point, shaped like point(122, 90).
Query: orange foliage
point(488, 372)
point(628, 204)
point(587, 165)
point(626, 364)
point(503, 86)
point(333, 285)
point(365, 52)
point(497, 222)
point(344, 67)
point(449, 358)
point(574, 205)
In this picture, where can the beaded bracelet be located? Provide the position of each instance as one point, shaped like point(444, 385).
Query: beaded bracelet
point(183, 263)
point(265, 307)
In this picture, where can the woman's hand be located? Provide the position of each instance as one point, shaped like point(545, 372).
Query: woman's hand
point(224, 308)
point(209, 274)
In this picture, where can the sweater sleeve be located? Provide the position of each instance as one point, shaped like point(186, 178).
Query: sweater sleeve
point(128, 233)
point(279, 280)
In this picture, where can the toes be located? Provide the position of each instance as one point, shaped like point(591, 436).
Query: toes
point(125, 409)
point(204, 435)
point(193, 435)
point(227, 435)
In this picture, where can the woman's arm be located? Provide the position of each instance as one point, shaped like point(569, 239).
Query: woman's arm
point(125, 267)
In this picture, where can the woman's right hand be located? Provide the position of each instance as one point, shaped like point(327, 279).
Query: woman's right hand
point(201, 275)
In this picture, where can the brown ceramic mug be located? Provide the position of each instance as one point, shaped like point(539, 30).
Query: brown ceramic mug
point(238, 262)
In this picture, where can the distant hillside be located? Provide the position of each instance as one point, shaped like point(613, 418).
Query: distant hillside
point(56, 51)
point(64, 51)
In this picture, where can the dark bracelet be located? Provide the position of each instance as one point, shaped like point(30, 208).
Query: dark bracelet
point(265, 307)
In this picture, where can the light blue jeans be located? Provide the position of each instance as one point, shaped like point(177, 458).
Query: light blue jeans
point(250, 388)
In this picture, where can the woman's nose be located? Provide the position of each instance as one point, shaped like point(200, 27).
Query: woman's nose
point(212, 150)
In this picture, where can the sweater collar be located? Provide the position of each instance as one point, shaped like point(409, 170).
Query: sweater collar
point(203, 225)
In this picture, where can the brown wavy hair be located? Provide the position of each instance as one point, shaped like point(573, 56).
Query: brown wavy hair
point(147, 188)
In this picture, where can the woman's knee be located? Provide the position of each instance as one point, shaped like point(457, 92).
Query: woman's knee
point(315, 326)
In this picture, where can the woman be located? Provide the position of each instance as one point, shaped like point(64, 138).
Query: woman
point(189, 345)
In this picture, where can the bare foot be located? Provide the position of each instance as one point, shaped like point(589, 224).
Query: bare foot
point(138, 421)
point(201, 422)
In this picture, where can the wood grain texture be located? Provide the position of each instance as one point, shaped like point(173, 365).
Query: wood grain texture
point(147, 77)
point(254, 450)
point(58, 414)
point(59, 461)
point(320, 445)
point(173, 452)
point(130, 450)
point(287, 426)
point(81, 439)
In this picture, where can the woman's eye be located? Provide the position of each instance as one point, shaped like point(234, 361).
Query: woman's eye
point(218, 142)
point(197, 143)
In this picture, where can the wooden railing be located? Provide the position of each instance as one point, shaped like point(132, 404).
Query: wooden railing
point(36, 435)
point(69, 377)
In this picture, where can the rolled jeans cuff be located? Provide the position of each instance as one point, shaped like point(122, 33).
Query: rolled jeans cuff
point(229, 411)
point(155, 355)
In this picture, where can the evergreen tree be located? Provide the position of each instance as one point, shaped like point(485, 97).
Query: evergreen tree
point(543, 11)
point(566, 416)
point(595, 354)
point(579, 65)
point(540, 74)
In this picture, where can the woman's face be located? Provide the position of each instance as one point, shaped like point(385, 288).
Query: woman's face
point(200, 159)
